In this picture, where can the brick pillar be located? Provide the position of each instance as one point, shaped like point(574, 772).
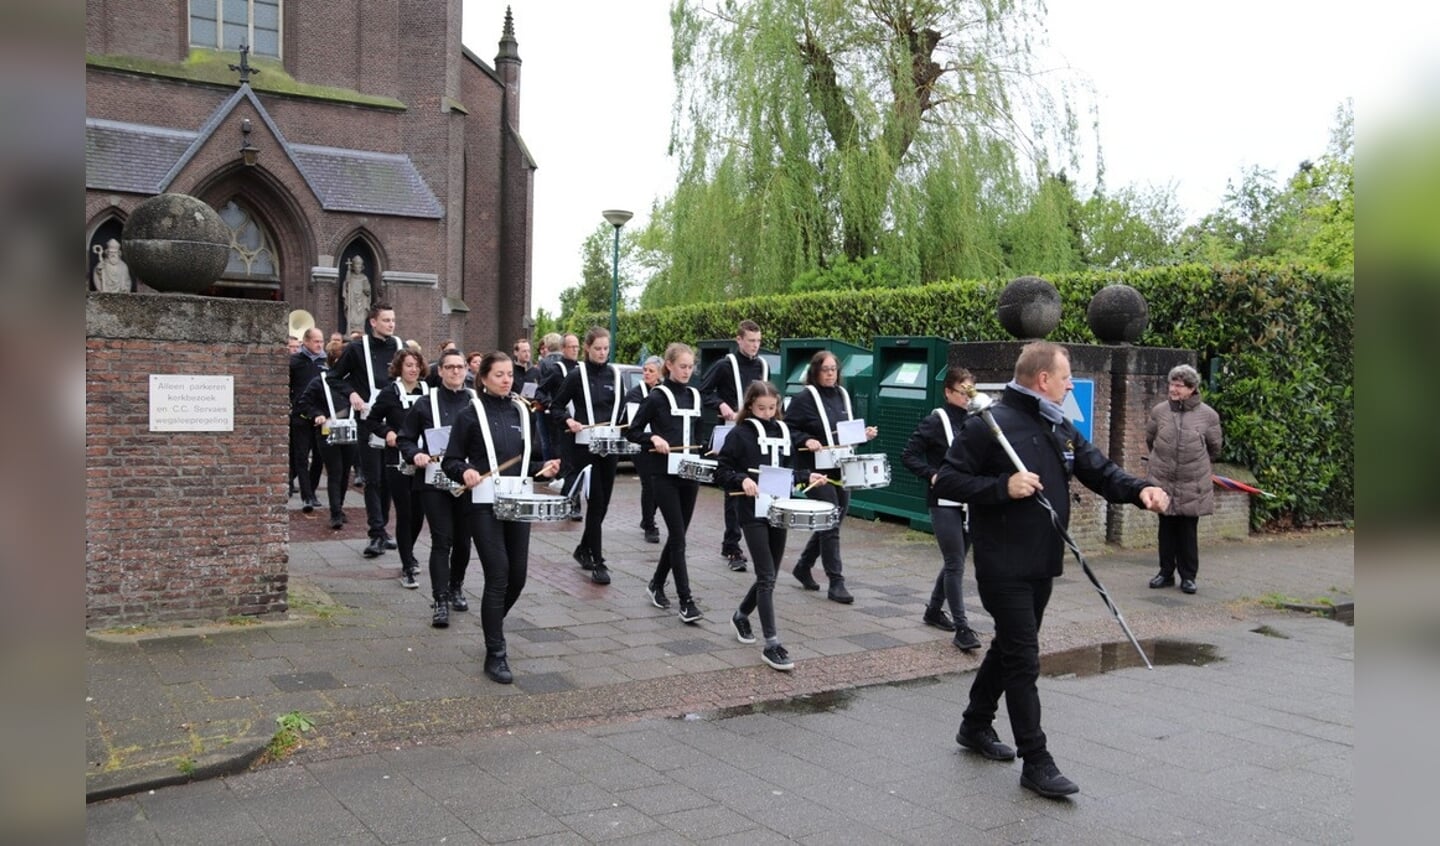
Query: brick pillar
point(184, 525)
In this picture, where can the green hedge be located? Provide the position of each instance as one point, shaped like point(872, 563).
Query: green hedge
point(1282, 335)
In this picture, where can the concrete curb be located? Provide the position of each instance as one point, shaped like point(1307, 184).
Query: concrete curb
point(236, 758)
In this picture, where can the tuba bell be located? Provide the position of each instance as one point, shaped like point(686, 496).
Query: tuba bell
point(300, 321)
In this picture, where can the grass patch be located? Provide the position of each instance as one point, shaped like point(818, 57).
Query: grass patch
point(186, 766)
point(288, 736)
point(241, 620)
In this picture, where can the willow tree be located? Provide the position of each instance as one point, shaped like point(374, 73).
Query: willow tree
point(807, 130)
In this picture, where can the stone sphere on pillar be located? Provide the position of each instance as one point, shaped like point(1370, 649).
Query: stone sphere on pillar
point(1029, 308)
point(176, 243)
point(1118, 314)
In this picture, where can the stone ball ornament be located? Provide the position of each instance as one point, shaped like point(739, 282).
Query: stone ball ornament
point(176, 243)
point(1029, 308)
point(1118, 314)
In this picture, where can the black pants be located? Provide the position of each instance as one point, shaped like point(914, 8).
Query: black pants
point(337, 474)
point(647, 503)
point(767, 547)
point(306, 462)
point(1179, 548)
point(377, 495)
point(449, 539)
point(1012, 663)
point(826, 545)
point(730, 541)
point(676, 499)
point(602, 484)
point(948, 522)
point(409, 514)
point(504, 550)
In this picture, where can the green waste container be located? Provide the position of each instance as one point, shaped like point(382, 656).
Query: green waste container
point(909, 383)
point(855, 369)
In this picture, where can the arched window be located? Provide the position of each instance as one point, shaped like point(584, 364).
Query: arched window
point(253, 270)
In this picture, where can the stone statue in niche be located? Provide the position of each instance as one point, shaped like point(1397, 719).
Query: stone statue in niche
point(357, 295)
point(112, 275)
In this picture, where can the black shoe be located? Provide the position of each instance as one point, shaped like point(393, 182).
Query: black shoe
point(985, 741)
point(440, 618)
point(736, 562)
point(458, 602)
point(1044, 778)
point(408, 580)
point(966, 639)
point(1187, 585)
point(390, 543)
point(344, 518)
point(806, 580)
point(498, 669)
point(1162, 581)
point(336, 523)
point(777, 657)
point(600, 575)
point(657, 595)
point(308, 506)
point(652, 535)
point(741, 624)
point(838, 593)
point(937, 617)
point(689, 611)
point(583, 558)
point(375, 548)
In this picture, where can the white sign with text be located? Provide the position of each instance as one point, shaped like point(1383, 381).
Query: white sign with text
point(192, 403)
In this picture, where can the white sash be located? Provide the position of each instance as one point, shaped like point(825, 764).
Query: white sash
point(773, 447)
point(687, 416)
point(735, 371)
point(825, 418)
point(407, 400)
point(435, 413)
point(949, 439)
point(582, 437)
point(486, 490)
point(370, 372)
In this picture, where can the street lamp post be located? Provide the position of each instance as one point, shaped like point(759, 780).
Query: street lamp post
point(616, 218)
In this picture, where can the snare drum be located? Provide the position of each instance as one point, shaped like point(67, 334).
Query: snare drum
point(435, 477)
point(803, 515)
point(531, 508)
point(829, 458)
point(698, 469)
point(612, 446)
point(343, 431)
point(865, 471)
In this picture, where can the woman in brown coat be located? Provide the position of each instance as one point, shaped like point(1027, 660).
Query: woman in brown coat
point(1183, 436)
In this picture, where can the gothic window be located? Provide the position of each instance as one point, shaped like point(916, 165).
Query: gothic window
point(252, 252)
point(226, 24)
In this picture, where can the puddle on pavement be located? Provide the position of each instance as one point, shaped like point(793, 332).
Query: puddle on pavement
point(1120, 655)
point(1269, 632)
point(811, 703)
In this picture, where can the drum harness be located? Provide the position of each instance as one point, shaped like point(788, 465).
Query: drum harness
point(435, 419)
point(590, 403)
point(490, 442)
point(686, 415)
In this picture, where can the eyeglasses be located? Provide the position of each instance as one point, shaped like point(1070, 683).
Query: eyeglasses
point(452, 367)
point(830, 369)
point(967, 390)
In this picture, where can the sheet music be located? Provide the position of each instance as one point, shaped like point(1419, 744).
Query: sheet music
point(850, 431)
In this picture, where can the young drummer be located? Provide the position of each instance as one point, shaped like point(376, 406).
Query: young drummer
point(493, 430)
point(672, 415)
point(760, 438)
point(385, 420)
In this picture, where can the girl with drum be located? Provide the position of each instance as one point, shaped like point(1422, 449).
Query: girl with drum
point(431, 419)
point(590, 395)
point(494, 429)
point(338, 433)
point(385, 419)
point(760, 438)
point(672, 415)
point(650, 374)
point(815, 411)
point(923, 455)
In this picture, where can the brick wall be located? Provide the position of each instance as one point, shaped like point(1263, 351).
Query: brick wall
point(183, 525)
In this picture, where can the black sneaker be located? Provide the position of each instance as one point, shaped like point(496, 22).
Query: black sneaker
point(600, 574)
point(583, 558)
point(966, 639)
point(937, 617)
point(1160, 580)
point(408, 580)
point(985, 741)
point(802, 573)
point(336, 523)
point(657, 595)
point(652, 535)
point(375, 548)
point(307, 506)
point(736, 562)
point(1044, 777)
point(689, 612)
point(440, 618)
point(741, 624)
point(390, 543)
point(838, 593)
point(777, 657)
point(458, 601)
point(1187, 585)
point(498, 669)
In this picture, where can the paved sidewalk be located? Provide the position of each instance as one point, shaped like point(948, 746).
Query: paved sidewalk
point(362, 661)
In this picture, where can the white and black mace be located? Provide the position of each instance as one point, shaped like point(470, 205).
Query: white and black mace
point(981, 403)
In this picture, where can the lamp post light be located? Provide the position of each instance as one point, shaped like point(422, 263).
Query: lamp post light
point(616, 218)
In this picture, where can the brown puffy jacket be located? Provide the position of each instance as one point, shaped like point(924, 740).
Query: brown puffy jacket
point(1183, 438)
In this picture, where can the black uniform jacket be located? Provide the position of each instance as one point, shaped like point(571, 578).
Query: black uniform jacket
point(553, 370)
point(303, 371)
point(719, 383)
point(655, 413)
point(926, 448)
point(1014, 539)
point(742, 452)
point(348, 374)
point(803, 415)
point(467, 442)
point(451, 404)
point(602, 395)
point(312, 400)
point(388, 415)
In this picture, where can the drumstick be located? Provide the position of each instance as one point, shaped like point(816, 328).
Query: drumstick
point(504, 465)
point(677, 448)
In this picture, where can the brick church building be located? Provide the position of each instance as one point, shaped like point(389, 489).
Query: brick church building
point(335, 134)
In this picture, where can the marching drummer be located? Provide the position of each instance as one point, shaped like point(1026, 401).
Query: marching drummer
point(320, 402)
point(590, 395)
point(385, 420)
point(430, 420)
point(650, 375)
point(760, 439)
point(672, 415)
point(493, 431)
point(816, 411)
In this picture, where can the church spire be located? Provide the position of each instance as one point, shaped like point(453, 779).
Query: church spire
point(509, 47)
